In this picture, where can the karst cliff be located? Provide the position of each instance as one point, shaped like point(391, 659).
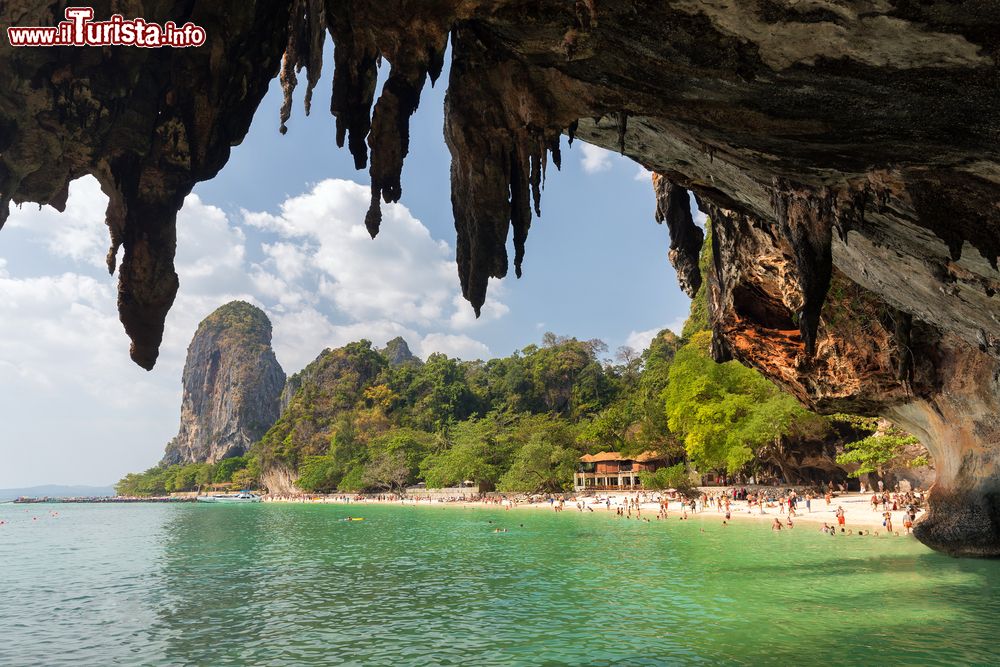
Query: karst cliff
point(847, 151)
point(232, 384)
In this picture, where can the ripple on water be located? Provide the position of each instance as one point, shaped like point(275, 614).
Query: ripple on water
point(293, 585)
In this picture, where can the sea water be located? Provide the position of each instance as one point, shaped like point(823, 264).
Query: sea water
point(274, 584)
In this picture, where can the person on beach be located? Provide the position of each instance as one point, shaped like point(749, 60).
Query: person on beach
point(888, 522)
point(809, 503)
point(841, 517)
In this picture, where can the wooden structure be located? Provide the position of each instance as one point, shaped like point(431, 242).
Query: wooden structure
point(610, 471)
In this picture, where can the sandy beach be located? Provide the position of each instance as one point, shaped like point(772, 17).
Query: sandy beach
point(857, 507)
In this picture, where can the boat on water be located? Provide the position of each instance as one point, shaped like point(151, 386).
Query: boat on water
point(241, 497)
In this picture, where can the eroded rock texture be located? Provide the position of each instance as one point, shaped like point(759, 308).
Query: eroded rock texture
point(232, 384)
point(843, 143)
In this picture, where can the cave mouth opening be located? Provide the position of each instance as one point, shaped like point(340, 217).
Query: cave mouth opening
point(753, 303)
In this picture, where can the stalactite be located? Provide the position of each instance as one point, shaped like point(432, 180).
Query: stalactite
point(355, 75)
point(389, 139)
point(293, 58)
point(904, 354)
point(499, 155)
point(8, 187)
point(805, 220)
point(307, 27)
point(673, 206)
point(622, 129)
point(147, 282)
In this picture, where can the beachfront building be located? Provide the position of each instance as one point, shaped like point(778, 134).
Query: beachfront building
point(610, 471)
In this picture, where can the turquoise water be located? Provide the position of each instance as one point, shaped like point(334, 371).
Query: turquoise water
point(296, 585)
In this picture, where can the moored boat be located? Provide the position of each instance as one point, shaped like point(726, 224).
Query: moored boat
point(241, 497)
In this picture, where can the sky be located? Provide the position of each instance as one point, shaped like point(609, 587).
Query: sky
point(282, 226)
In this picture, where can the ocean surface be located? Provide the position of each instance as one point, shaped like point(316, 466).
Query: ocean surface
point(296, 585)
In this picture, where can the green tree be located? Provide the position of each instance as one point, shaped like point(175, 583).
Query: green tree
point(698, 317)
point(671, 477)
point(387, 471)
point(149, 483)
point(879, 451)
point(319, 474)
point(539, 466)
point(724, 412)
point(225, 468)
point(477, 452)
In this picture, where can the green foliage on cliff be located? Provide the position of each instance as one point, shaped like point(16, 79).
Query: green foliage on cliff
point(698, 319)
point(361, 420)
point(879, 450)
point(725, 412)
point(238, 316)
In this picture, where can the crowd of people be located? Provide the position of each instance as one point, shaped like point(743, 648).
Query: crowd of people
point(787, 505)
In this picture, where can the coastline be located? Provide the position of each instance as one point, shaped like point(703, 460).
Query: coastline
point(857, 509)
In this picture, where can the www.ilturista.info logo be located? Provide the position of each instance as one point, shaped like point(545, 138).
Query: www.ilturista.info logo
point(79, 30)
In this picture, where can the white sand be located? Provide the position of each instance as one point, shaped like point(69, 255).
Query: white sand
point(857, 508)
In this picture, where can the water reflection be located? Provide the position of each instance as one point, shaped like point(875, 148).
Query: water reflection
point(263, 584)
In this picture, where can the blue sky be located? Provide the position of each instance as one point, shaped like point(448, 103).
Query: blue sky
point(282, 226)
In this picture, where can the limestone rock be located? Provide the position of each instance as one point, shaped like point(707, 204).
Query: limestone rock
point(232, 383)
point(397, 352)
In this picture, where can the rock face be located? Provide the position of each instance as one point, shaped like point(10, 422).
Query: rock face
point(232, 383)
point(397, 352)
point(848, 152)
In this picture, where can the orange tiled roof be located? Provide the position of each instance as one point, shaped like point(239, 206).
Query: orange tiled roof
point(602, 457)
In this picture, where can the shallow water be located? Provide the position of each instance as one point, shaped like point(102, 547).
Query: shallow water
point(294, 584)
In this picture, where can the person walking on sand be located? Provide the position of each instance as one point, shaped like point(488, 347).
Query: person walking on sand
point(841, 518)
point(829, 497)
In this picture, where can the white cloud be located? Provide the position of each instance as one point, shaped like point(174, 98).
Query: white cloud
point(595, 159)
point(643, 174)
point(303, 334)
point(453, 345)
point(210, 252)
point(640, 340)
point(464, 317)
point(78, 233)
point(700, 218)
point(403, 275)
